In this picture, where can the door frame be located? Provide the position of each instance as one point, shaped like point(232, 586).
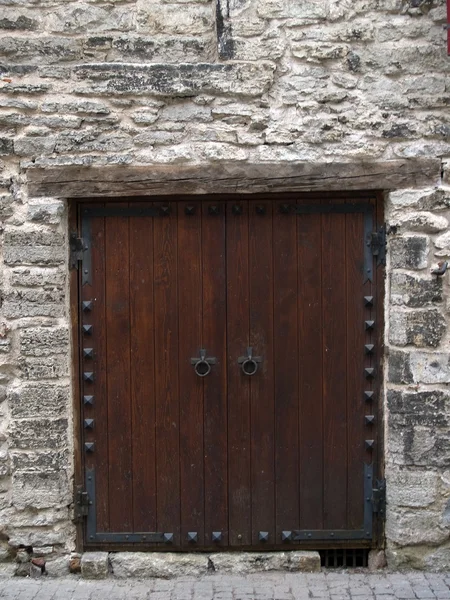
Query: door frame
point(74, 225)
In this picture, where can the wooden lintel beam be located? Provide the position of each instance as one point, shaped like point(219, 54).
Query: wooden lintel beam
point(156, 180)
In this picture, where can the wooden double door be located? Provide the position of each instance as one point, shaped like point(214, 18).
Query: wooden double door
point(227, 367)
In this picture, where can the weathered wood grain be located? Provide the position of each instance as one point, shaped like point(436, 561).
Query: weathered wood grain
point(79, 182)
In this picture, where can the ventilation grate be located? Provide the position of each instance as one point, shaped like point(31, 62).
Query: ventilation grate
point(342, 558)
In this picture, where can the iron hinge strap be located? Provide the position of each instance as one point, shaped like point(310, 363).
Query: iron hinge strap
point(377, 243)
point(81, 504)
point(77, 247)
point(379, 497)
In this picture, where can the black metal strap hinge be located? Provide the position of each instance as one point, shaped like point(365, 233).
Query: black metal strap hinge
point(377, 243)
point(81, 505)
point(77, 247)
point(379, 497)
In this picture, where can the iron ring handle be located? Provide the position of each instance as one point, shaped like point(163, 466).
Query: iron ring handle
point(249, 364)
point(202, 365)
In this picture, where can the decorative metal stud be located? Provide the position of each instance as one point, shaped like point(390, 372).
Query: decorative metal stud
point(368, 395)
point(87, 305)
point(88, 376)
point(286, 536)
point(164, 211)
point(216, 536)
point(369, 419)
point(88, 352)
point(89, 446)
point(88, 400)
point(263, 536)
point(369, 373)
point(189, 210)
point(87, 329)
point(168, 538)
point(369, 444)
point(369, 325)
point(285, 209)
point(369, 348)
point(368, 300)
point(260, 209)
point(89, 423)
point(213, 210)
point(192, 537)
point(237, 209)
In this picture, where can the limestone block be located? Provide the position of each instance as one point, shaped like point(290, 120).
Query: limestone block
point(421, 407)
point(309, 10)
point(417, 328)
point(58, 566)
point(252, 562)
point(305, 561)
point(47, 367)
point(185, 111)
point(80, 17)
point(34, 303)
point(38, 400)
point(54, 49)
point(40, 536)
point(438, 560)
point(415, 291)
point(409, 252)
point(34, 145)
point(442, 243)
point(40, 490)
point(412, 527)
point(241, 79)
point(44, 341)
point(38, 433)
point(167, 19)
point(164, 565)
point(40, 461)
point(430, 367)
point(94, 565)
point(410, 488)
point(6, 206)
point(37, 277)
point(46, 248)
point(150, 48)
point(426, 222)
point(47, 211)
point(14, 19)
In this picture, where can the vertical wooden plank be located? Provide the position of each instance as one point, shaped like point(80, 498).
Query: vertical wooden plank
point(239, 432)
point(355, 368)
point(117, 249)
point(191, 385)
point(334, 318)
point(286, 365)
point(309, 233)
point(142, 372)
point(215, 384)
point(95, 292)
point(167, 408)
point(262, 384)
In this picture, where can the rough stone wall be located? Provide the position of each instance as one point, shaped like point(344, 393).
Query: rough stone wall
point(191, 81)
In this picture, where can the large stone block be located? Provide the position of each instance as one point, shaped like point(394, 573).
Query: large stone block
point(409, 252)
point(415, 291)
point(34, 247)
point(399, 370)
point(417, 328)
point(40, 490)
point(44, 367)
point(40, 461)
point(94, 565)
point(409, 488)
point(34, 303)
point(44, 341)
point(80, 17)
point(239, 79)
point(162, 565)
point(34, 50)
point(412, 527)
point(38, 277)
point(6, 146)
point(38, 400)
point(430, 367)
point(426, 222)
point(35, 434)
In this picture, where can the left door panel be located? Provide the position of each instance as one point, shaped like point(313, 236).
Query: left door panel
point(147, 418)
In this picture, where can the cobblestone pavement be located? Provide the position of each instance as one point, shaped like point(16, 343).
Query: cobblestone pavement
point(328, 585)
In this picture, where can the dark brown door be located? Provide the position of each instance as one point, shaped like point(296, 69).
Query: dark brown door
point(227, 372)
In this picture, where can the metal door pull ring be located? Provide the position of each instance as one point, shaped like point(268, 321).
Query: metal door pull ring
point(249, 363)
point(202, 365)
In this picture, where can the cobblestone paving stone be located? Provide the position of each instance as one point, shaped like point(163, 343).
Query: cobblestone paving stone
point(328, 585)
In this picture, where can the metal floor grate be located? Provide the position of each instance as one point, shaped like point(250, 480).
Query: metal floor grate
point(342, 557)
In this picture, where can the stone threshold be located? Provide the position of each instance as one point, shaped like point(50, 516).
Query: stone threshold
point(167, 565)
